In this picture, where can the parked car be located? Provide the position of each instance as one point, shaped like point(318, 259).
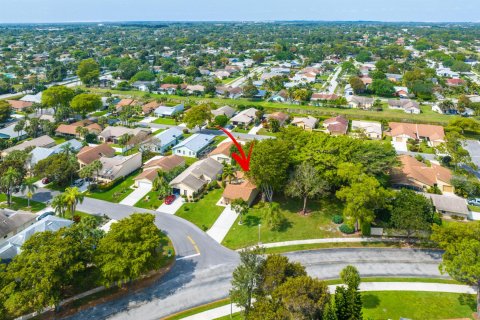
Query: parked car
point(45, 214)
point(78, 182)
point(474, 202)
point(169, 199)
point(45, 181)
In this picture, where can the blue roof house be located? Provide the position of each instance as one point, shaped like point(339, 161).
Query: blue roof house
point(164, 111)
point(193, 146)
point(165, 139)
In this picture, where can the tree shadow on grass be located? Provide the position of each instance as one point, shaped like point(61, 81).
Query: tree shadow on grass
point(251, 221)
point(370, 301)
point(467, 300)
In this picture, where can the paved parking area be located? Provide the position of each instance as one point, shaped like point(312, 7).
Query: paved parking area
point(136, 195)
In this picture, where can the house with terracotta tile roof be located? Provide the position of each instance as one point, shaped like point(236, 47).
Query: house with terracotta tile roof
point(125, 102)
point(70, 130)
point(239, 188)
point(336, 126)
point(19, 105)
point(149, 107)
point(279, 116)
point(419, 176)
point(324, 96)
point(455, 82)
point(401, 132)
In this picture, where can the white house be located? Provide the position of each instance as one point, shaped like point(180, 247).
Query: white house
point(119, 166)
point(164, 111)
point(371, 129)
point(193, 145)
point(245, 117)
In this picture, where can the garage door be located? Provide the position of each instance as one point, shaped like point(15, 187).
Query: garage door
point(448, 189)
point(143, 184)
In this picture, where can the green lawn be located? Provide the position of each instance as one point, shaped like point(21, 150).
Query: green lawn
point(240, 130)
point(265, 132)
point(152, 204)
point(99, 113)
point(21, 204)
point(59, 140)
point(199, 309)
point(474, 208)
point(427, 116)
point(417, 305)
point(204, 212)
point(189, 160)
point(412, 305)
point(116, 193)
point(169, 121)
point(81, 215)
point(317, 224)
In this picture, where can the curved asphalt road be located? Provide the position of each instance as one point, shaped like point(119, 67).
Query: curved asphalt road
point(203, 269)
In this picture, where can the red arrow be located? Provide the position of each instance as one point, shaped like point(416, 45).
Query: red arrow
point(241, 159)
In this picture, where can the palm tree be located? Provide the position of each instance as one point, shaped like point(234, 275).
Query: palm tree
point(240, 206)
point(59, 204)
point(67, 149)
point(81, 131)
point(19, 126)
point(96, 166)
point(86, 172)
point(72, 197)
point(229, 173)
point(29, 186)
point(9, 181)
point(160, 184)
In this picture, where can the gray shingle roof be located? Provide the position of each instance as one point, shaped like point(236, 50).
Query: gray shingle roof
point(196, 142)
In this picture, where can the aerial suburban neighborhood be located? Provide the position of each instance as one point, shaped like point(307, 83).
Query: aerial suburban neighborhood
point(289, 169)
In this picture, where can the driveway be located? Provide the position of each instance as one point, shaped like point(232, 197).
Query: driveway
point(137, 194)
point(400, 146)
point(223, 224)
point(173, 207)
point(473, 147)
point(255, 129)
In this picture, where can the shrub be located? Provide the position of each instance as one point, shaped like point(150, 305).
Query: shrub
point(366, 229)
point(347, 229)
point(337, 219)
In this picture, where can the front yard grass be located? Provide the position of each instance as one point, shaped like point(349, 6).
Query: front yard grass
point(417, 305)
point(116, 193)
point(189, 161)
point(168, 121)
point(204, 212)
point(317, 224)
point(59, 140)
point(152, 203)
point(21, 204)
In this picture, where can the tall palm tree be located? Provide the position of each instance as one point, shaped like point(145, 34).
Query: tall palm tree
point(229, 173)
point(73, 196)
point(86, 172)
point(96, 166)
point(67, 149)
point(9, 181)
point(30, 187)
point(59, 204)
point(19, 126)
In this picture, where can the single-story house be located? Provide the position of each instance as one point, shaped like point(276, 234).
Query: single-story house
point(118, 166)
point(19, 105)
point(35, 98)
point(143, 85)
point(125, 102)
point(70, 130)
point(222, 153)
point(191, 182)
point(401, 92)
point(360, 102)
point(12, 246)
point(244, 117)
point(149, 107)
point(416, 175)
point(449, 204)
point(240, 188)
point(43, 141)
point(336, 126)
point(455, 82)
point(40, 153)
point(324, 97)
point(162, 141)
point(224, 111)
point(164, 111)
point(409, 106)
point(9, 132)
point(371, 129)
point(193, 145)
point(195, 89)
point(401, 132)
point(307, 123)
point(168, 88)
point(394, 77)
point(281, 96)
point(113, 133)
point(151, 168)
point(279, 116)
point(88, 154)
point(12, 222)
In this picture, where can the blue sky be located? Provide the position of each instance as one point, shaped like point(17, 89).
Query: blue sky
point(12, 11)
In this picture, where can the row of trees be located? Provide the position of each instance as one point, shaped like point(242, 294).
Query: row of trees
point(52, 265)
point(275, 288)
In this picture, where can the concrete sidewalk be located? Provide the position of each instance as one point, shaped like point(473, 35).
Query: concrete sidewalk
point(364, 287)
point(329, 240)
point(223, 224)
